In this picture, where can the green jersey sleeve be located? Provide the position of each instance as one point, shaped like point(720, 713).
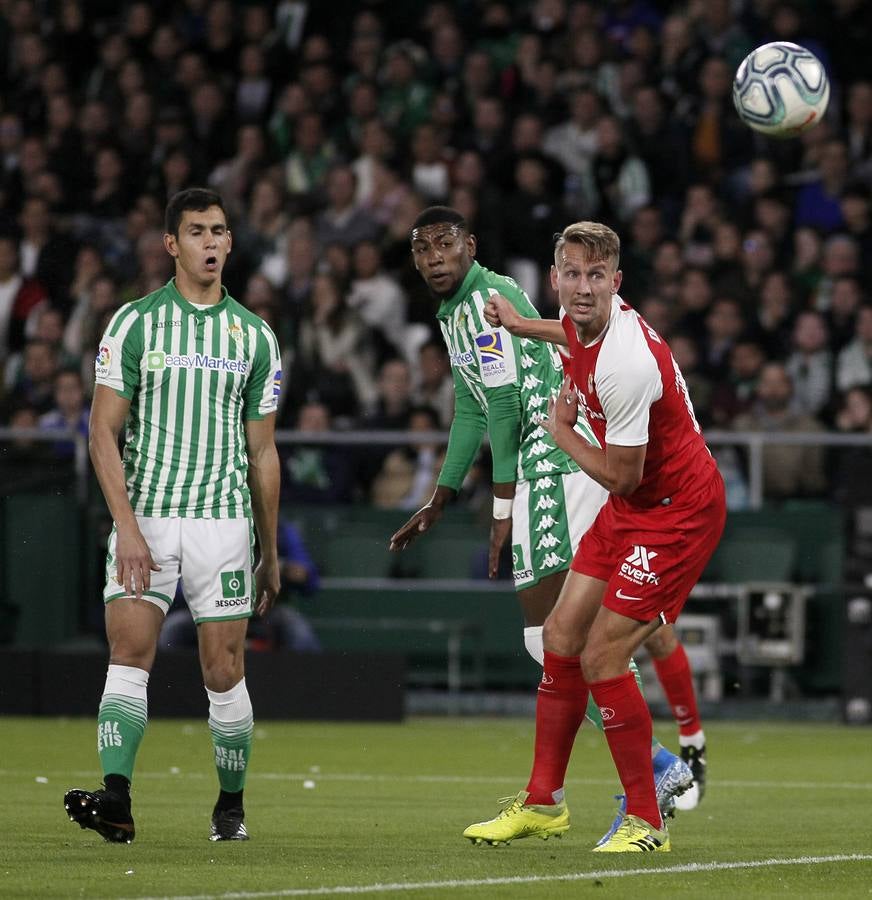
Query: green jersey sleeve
point(504, 431)
point(265, 381)
point(120, 353)
point(464, 439)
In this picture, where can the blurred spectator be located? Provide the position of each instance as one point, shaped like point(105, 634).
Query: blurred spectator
point(734, 395)
point(20, 299)
point(71, 410)
point(379, 300)
point(859, 128)
point(343, 221)
point(773, 313)
point(698, 224)
point(854, 362)
point(724, 325)
point(45, 253)
point(840, 256)
point(846, 298)
point(637, 253)
point(336, 352)
point(810, 363)
point(315, 472)
point(312, 155)
point(788, 470)
point(856, 207)
point(429, 164)
point(574, 141)
point(407, 477)
point(686, 352)
point(434, 385)
point(619, 181)
point(405, 97)
point(693, 303)
point(817, 203)
point(235, 176)
point(31, 379)
point(533, 214)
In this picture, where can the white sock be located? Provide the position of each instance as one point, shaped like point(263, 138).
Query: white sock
point(533, 643)
point(697, 740)
point(126, 681)
point(230, 706)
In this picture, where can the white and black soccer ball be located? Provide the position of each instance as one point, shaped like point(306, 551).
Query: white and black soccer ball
point(781, 89)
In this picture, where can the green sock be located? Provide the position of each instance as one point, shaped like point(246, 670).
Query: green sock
point(121, 719)
point(231, 723)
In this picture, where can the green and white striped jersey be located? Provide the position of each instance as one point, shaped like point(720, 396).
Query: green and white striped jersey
point(487, 358)
point(193, 377)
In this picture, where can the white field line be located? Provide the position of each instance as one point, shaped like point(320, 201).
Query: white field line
point(456, 883)
point(431, 779)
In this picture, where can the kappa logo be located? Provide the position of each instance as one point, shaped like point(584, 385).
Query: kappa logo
point(545, 523)
point(545, 502)
point(641, 556)
point(547, 541)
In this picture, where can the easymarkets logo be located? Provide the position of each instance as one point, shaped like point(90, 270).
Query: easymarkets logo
point(156, 360)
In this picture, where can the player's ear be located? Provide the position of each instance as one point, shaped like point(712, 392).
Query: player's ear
point(616, 283)
point(471, 245)
point(229, 241)
point(170, 245)
point(553, 277)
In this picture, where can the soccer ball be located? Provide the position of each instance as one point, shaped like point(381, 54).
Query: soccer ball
point(781, 89)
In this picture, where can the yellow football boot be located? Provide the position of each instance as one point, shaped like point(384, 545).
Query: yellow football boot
point(520, 820)
point(635, 835)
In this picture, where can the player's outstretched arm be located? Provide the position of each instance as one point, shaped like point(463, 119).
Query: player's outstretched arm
point(134, 564)
point(500, 312)
point(264, 475)
point(424, 519)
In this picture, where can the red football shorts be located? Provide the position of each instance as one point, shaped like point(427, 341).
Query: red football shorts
point(652, 558)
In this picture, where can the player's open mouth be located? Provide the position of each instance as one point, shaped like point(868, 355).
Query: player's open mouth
point(439, 278)
point(211, 263)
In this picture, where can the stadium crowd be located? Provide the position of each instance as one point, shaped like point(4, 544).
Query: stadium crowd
point(328, 127)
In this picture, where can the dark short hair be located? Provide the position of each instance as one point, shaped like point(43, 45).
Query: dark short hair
point(197, 199)
point(437, 215)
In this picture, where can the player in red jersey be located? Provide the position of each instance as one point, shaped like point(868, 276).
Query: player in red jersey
point(636, 565)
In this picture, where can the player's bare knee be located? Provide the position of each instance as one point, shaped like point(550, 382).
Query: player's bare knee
point(600, 661)
point(560, 640)
point(662, 642)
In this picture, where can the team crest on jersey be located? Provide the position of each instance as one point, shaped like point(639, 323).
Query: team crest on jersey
point(235, 331)
point(590, 382)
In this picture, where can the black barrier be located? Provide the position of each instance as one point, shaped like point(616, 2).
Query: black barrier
point(313, 686)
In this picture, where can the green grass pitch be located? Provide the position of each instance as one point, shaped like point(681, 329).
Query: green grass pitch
point(787, 814)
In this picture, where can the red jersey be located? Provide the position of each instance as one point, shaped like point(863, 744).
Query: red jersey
point(633, 394)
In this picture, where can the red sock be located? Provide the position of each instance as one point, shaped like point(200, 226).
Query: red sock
point(560, 710)
point(675, 676)
point(627, 727)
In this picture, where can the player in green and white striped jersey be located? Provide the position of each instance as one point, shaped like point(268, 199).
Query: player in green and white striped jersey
point(193, 377)
point(502, 385)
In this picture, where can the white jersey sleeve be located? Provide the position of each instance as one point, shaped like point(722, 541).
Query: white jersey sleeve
point(627, 381)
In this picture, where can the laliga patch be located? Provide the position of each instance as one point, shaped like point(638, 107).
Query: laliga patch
point(496, 358)
point(107, 365)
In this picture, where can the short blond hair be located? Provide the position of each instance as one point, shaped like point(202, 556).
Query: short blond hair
point(599, 241)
